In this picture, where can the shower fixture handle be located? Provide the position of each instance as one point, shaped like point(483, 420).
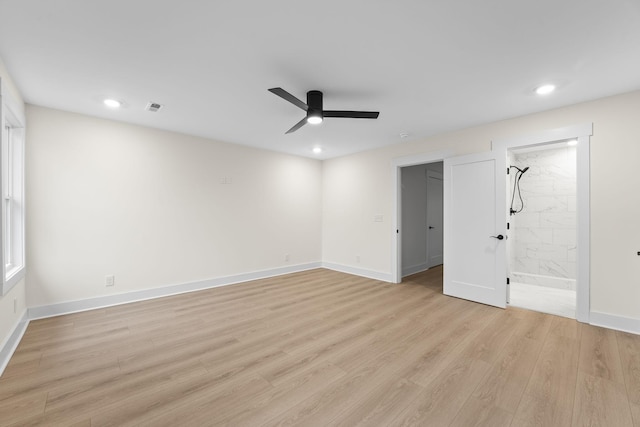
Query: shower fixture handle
point(499, 237)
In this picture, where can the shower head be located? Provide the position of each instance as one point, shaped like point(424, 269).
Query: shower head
point(520, 170)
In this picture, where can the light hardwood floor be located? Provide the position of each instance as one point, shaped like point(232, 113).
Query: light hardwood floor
point(321, 348)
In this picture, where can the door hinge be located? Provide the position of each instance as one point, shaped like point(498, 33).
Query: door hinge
point(507, 226)
point(508, 283)
point(507, 171)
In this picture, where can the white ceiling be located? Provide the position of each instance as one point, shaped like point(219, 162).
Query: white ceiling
point(428, 66)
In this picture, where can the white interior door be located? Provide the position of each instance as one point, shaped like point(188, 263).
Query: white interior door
point(475, 228)
point(434, 219)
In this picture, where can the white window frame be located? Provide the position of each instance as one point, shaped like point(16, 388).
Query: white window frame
point(12, 142)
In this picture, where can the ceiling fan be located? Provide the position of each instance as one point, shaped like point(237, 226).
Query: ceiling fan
point(314, 110)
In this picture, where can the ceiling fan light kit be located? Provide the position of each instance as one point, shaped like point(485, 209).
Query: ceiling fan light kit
point(315, 111)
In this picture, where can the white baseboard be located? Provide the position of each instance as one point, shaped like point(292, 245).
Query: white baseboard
point(611, 321)
point(370, 274)
point(111, 300)
point(10, 344)
point(415, 269)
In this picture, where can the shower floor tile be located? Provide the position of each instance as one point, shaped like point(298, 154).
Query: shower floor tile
point(561, 302)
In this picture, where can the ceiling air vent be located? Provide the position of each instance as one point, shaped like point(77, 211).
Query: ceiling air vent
point(154, 107)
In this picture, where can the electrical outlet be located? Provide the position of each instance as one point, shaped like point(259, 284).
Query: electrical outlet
point(358, 259)
point(286, 257)
point(15, 305)
point(109, 280)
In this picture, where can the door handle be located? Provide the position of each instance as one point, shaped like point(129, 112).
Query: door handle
point(499, 237)
point(431, 227)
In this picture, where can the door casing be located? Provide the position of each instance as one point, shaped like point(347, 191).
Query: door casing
point(435, 235)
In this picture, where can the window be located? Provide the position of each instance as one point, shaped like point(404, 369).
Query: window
point(12, 166)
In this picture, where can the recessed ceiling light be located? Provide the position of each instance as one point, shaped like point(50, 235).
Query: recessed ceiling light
point(317, 150)
point(572, 142)
point(112, 103)
point(545, 89)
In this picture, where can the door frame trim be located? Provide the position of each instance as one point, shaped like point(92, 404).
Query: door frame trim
point(581, 132)
point(434, 175)
point(396, 213)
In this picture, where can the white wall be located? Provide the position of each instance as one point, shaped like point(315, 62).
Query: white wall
point(356, 187)
point(354, 192)
point(148, 206)
point(9, 317)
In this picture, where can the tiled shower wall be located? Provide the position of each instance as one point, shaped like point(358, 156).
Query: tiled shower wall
point(543, 240)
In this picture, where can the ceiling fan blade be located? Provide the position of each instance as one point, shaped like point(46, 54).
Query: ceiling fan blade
point(297, 125)
point(352, 114)
point(287, 96)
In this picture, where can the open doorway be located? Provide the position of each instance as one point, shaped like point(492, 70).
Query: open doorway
point(542, 235)
point(421, 217)
point(405, 260)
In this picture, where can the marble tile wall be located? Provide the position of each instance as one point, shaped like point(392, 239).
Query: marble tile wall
point(543, 235)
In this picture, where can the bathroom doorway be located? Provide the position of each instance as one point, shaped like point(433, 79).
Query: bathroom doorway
point(541, 244)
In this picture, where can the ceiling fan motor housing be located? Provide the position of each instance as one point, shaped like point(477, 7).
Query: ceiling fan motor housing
point(314, 103)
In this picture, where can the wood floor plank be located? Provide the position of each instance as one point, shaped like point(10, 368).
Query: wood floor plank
point(85, 397)
point(599, 354)
point(507, 379)
point(629, 350)
point(399, 344)
point(24, 363)
point(425, 369)
point(306, 316)
point(635, 412)
point(534, 325)
point(367, 324)
point(478, 412)
point(320, 348)
point(201, 404)
point(442, 399)
point(126, 396)
point(368, 376)
point(418, 346)
point(600, 402)
point(549, 396)
point(489, 343)
point(347, 347)
point(12, 408)
point(50, 379)
point(286, 394)
point(565, 327)
point(209, 406)
point(381, 407)
point(327, 404)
